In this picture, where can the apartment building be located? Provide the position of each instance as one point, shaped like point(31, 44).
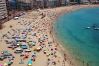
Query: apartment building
point(64, 2)
point(84, 1)
point(24, 4)
point(40, 3)
point(3, 9)
point(93, 1)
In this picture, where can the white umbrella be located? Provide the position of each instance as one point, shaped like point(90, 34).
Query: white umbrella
point(27, 50)
point(18, 48)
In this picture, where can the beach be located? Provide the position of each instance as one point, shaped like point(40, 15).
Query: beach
point(35, 30)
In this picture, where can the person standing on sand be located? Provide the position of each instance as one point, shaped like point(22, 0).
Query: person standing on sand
point(63, 64)
point(65, 57)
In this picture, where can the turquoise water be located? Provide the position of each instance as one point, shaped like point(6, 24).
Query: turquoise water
point(82, 43)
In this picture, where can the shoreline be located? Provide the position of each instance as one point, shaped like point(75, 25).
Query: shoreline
point(70, 58)
point(42, 23)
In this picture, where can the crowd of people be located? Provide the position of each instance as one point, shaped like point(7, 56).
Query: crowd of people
point(29, 37)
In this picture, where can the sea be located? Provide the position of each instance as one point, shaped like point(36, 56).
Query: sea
point(78, 31)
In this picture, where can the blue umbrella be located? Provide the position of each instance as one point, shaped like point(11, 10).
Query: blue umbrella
point(30, 62)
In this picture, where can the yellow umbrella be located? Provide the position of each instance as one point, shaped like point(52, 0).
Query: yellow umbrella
point(29, 64)
point(5, 64)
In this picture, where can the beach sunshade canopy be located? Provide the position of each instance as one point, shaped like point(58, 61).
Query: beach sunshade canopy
point(18, 48)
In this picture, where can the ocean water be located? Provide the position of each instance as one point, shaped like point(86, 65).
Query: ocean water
point(82, 43)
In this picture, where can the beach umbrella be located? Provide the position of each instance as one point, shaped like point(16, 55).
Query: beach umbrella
point(18, 48)
point(5, 64)
point(37, 49)
point(18, 44)
point(27, 50)
point(29, 64)
point(16, 18)
point(32, 43)
point(9, 63)
point(24, 46)
point(33, 54)
point(1, 65)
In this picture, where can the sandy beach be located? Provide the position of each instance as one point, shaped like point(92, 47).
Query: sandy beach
point(35, 31)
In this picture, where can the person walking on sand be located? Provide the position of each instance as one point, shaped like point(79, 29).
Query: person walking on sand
point(63, 64)
point(65, 57)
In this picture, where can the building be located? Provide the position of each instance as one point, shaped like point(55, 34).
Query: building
point(84, 1)
point(89, 1)
point(64, 2)
point(12, 4)
point(55, 3)
point(40, 3)
point(93, 1)
point(72, 1)
point(52, 3)
point(24, 4)
point(3, 9)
